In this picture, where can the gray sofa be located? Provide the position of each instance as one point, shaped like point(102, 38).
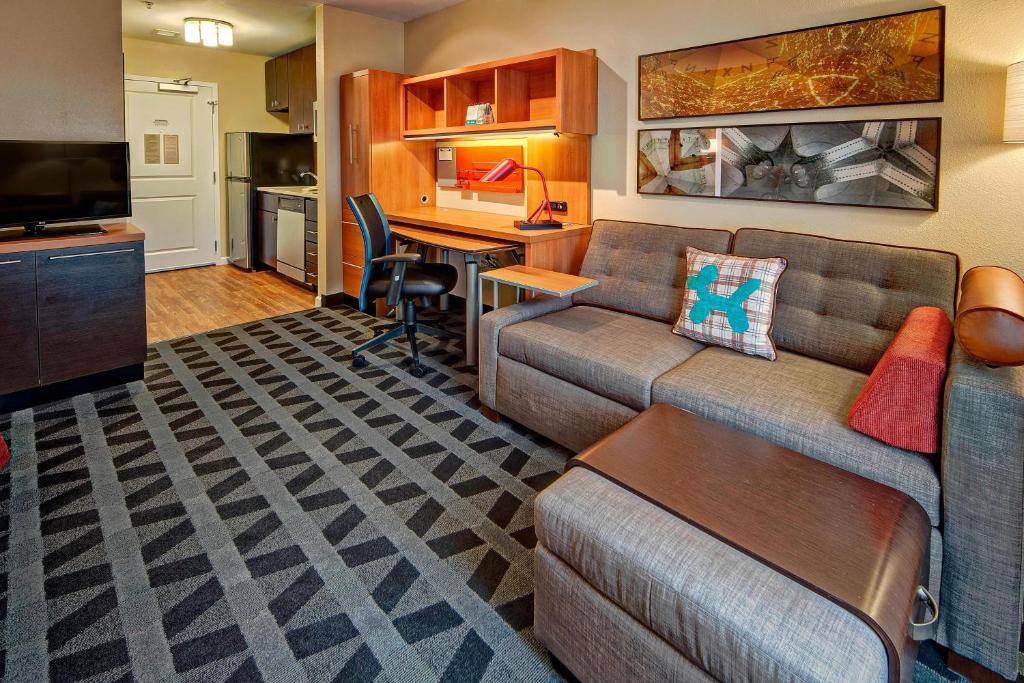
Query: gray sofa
point(576, 369)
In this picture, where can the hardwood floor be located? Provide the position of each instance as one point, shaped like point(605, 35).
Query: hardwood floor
point(193, 300)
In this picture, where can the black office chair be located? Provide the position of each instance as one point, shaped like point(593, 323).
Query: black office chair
point(401, 278)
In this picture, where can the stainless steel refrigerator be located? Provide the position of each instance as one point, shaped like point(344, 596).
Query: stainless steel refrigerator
point(259, 160)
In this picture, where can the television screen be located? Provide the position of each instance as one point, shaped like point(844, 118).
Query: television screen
point(52, 182)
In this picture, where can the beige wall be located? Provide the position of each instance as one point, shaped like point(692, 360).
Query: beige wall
point(240, 88)
point(346, 42)
point(61, 67)
point(981, 214)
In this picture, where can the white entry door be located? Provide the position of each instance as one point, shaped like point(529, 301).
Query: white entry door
point(172, 140)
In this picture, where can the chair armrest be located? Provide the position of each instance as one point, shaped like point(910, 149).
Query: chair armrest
point(397, 258)
point(983, 511)
point(491, 326)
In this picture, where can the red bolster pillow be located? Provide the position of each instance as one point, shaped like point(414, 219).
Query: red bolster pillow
point(901, 403)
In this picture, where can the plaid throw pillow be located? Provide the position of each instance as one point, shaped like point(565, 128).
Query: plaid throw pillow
point(730, 301)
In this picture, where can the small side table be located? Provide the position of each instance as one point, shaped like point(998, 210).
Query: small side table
point(536, 280)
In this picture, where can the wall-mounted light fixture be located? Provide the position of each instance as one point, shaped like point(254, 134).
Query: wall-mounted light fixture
point(209, 32)
point(1013, 120)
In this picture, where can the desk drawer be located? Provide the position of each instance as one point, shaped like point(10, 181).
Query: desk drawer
point(346, 213)
point(351, 279)
point(352, 250)
point(311, 263)
point(267, 201)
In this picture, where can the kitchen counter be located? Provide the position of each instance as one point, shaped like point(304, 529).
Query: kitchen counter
point(304, 191)
point(116, 232)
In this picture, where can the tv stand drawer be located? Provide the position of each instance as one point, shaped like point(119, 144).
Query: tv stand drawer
point(19, 343)
point(92, 310)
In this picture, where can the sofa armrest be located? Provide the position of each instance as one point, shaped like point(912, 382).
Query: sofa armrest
point(983, 512)
point(491, 326)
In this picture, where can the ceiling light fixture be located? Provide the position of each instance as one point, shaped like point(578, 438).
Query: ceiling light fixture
point(209, 32)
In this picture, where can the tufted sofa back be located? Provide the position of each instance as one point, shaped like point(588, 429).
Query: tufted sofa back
point(843, 301)
point(642, 267)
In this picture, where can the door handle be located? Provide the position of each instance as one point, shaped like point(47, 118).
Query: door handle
point(9, 263)
point(92, 253)
point(351, 145)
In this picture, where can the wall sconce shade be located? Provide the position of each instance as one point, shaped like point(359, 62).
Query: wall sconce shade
point(1013, 121)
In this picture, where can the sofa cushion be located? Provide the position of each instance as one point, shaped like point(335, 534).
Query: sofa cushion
point(730, 301)
point(734, 617)
point(800, 403)
point(843, 301)
point(642, 267)
point(901, 403)
point(612, 354)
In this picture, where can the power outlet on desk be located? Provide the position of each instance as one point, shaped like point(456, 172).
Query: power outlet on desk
point(560, 207)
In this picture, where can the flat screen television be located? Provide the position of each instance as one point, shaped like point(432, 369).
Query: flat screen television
point(60, 182)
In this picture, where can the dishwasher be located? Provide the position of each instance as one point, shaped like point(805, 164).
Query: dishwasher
point(291, 237)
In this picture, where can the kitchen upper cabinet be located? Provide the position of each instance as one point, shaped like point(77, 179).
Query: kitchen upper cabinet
point(275, 73)
point(301, 89)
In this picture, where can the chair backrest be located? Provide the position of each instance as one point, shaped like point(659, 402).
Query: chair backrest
point(642, 267)
point(376, 236)
point(842, 301)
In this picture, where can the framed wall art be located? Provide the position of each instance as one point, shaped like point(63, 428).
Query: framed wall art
point(894, 59)
point(890, 163)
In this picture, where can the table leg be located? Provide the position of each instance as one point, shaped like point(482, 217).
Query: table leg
point(473, 309)
point(495, 291)
point(444, 297)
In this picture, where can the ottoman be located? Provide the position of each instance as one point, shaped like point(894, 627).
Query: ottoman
point(629, 588)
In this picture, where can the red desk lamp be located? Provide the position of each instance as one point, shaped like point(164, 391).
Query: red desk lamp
point(507, 167)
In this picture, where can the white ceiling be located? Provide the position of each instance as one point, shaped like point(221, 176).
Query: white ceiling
point(262, 27)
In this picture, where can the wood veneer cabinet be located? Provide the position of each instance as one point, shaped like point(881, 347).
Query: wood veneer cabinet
point(301, 89)
point(71, 314)
point(275, 74)
point(290, 83)
point(375, 159)
point(19, 344)
point(91, 309)
point(552, 90)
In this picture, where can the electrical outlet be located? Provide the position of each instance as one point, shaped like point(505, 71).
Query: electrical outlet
point(560, 207)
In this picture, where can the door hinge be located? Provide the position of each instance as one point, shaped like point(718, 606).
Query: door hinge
point(214, 177)
point(216, 246)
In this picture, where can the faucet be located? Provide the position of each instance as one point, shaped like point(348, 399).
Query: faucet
point(311, 175)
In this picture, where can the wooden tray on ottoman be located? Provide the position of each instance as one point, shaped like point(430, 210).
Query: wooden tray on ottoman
point(858, 543)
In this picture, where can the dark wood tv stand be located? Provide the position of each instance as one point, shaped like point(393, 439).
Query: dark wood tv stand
point(73, 314)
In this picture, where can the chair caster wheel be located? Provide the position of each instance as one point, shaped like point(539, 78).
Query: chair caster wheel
point(358, 361)
point(418, 371)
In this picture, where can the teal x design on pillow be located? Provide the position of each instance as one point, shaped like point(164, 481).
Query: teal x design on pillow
point(708, 301)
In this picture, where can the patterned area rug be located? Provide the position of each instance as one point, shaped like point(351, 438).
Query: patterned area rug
point(257, 510)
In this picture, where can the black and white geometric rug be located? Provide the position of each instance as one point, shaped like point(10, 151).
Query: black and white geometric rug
point(258, 510)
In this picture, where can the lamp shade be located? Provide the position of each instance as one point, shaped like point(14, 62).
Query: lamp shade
point(1013, 121)
point(501, 170)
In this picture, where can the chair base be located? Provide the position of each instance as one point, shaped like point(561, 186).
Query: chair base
point(410, 328)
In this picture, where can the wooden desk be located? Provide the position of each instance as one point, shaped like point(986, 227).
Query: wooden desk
point(470, 247)
point(453, 241)
point(558, 250)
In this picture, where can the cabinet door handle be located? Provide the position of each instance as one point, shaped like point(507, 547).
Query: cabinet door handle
point(9, 263)
point(351, 145)
point(93, 253)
